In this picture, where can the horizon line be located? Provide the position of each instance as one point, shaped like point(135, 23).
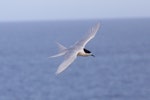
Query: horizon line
point(94, 19)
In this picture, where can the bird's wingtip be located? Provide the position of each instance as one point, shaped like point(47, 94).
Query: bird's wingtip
point(50, 57)
point(57, 72)
point(98, 24)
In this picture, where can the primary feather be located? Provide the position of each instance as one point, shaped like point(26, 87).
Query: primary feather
point(91, 34)
point(77, 49)
point(69, 58)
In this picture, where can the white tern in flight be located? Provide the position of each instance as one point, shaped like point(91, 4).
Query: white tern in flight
point(78, 49)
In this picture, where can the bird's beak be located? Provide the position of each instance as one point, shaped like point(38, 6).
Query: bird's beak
point(93, 55)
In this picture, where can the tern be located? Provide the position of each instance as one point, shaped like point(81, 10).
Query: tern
point(78, 49)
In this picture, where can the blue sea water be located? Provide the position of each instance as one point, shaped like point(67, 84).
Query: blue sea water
point(120, 70)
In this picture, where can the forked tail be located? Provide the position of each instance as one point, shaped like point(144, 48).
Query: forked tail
point(62, 50)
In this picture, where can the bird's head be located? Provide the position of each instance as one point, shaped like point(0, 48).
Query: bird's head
point(88, 53)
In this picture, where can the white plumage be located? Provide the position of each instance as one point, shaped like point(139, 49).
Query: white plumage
point(76, 50)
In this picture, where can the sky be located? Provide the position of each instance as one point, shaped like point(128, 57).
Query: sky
point(25, 10)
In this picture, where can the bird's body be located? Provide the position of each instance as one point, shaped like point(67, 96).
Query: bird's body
point(78, 49)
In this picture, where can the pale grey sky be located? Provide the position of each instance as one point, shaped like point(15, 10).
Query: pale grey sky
point(22, 10)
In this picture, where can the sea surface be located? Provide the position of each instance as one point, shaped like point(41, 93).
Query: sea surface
point(120, 70)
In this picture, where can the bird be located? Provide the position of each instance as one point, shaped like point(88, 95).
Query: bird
point(78, 49)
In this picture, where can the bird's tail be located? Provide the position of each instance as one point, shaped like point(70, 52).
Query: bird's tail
point(62, 50)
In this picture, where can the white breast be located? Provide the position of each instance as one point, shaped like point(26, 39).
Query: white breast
point(82, 53)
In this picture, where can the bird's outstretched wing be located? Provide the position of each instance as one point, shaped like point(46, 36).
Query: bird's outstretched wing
point(89, 36)
point(69, 58)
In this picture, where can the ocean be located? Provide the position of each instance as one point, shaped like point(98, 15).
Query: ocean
point(120, 69)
